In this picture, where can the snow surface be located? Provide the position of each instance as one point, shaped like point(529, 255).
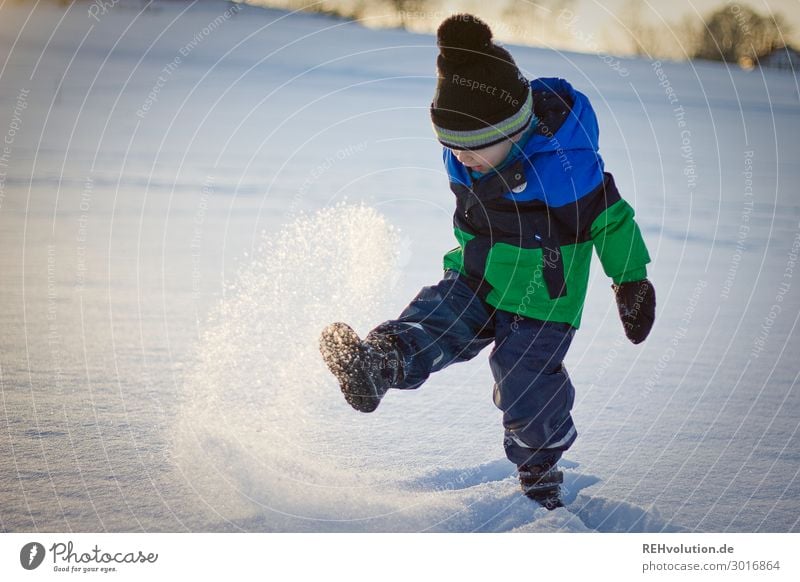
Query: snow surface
point(168, 262)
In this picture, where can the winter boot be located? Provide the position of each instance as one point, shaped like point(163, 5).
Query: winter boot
point(542, 484)
point(365, 369)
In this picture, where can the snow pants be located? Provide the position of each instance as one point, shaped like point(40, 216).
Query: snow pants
point(447, 323)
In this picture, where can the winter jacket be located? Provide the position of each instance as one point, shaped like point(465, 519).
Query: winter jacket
point(526, 230)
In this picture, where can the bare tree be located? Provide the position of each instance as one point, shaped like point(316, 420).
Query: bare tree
point(688, 36)
point(738, 34)
point(646, 39)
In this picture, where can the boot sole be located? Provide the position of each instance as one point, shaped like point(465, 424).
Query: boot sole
point(341, 351)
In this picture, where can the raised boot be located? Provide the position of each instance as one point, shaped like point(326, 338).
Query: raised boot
point(365, 369)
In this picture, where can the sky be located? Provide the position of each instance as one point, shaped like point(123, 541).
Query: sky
point(577, 25)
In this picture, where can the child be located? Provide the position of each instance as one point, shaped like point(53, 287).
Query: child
point(532, 200)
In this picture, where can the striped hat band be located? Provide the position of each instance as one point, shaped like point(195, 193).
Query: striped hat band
point(476, 139)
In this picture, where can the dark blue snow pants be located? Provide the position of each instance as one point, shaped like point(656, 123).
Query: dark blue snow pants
point(448, 323)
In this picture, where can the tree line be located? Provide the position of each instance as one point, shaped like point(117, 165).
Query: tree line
point(732, 33)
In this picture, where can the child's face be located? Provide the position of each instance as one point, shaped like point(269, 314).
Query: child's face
point(485, 159)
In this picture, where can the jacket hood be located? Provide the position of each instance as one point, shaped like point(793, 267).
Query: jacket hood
point(578, 130)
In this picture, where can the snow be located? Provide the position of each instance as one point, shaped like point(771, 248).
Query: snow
point(167, 271)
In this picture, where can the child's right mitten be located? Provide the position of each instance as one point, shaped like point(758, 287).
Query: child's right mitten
point(636, 302)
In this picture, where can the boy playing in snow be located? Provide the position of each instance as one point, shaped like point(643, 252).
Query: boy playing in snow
point(532, 201)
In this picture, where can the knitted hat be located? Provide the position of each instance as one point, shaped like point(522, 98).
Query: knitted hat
point(481, 96)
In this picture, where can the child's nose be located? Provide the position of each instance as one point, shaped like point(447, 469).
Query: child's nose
point(463, 156)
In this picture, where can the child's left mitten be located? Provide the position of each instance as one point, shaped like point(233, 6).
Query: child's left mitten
point(636, 302)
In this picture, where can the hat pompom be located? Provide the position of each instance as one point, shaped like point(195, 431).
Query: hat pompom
point(462, 36)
